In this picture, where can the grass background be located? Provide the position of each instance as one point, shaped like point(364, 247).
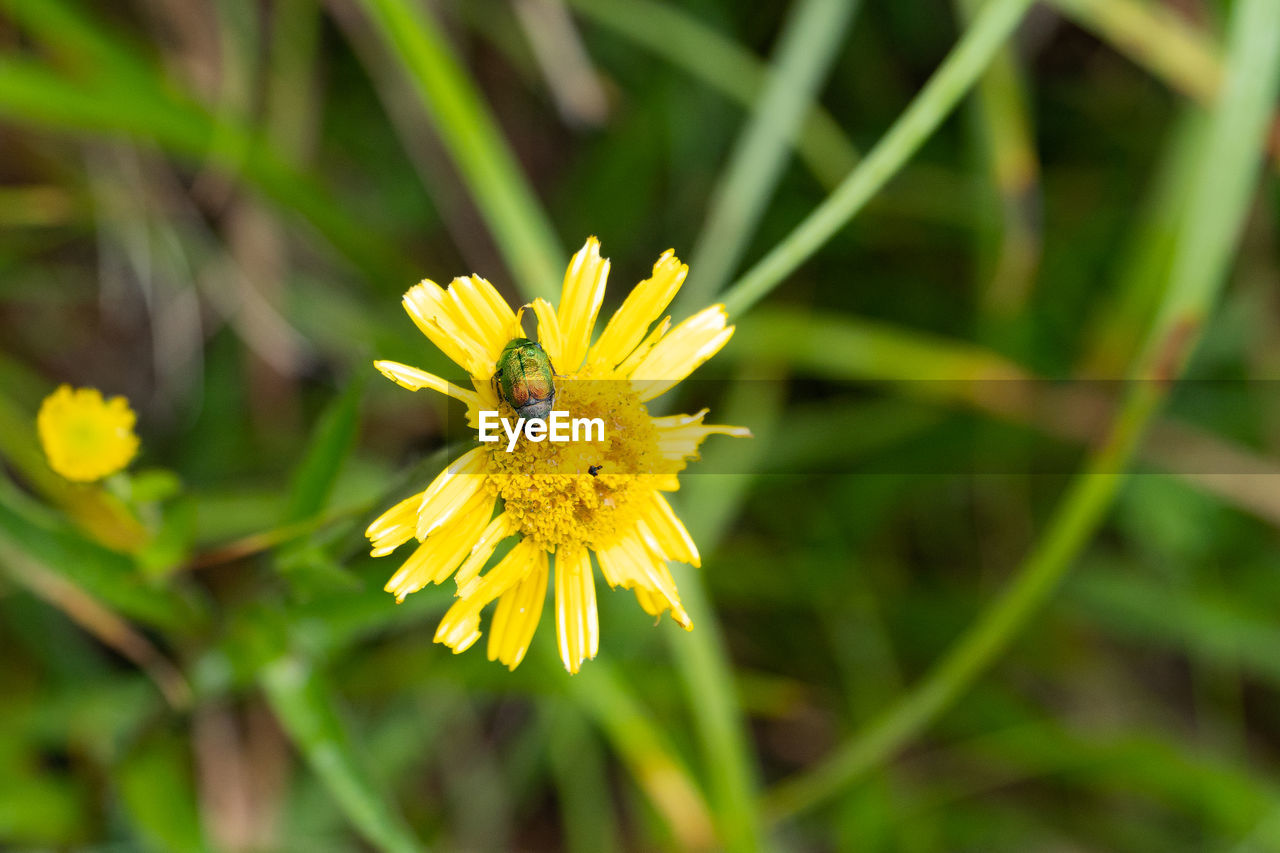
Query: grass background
point(945, 605)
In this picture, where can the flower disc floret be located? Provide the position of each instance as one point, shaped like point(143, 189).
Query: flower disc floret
point(548, 489)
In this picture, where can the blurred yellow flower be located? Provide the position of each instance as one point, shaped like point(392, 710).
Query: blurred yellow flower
point(568, 499)
point(85, 437)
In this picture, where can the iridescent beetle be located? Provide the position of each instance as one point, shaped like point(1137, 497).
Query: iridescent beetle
point(524, 379)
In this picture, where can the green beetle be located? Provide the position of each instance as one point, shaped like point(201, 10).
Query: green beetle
point(525, 380)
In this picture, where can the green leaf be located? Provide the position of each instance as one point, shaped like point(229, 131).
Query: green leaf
point(153, 485)
point(170, 546)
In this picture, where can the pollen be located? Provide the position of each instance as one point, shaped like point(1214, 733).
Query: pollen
point(547, 488)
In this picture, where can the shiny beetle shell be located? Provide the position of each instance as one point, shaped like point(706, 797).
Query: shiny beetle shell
point(524, 379)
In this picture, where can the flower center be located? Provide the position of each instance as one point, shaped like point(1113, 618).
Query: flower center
point(548, 487)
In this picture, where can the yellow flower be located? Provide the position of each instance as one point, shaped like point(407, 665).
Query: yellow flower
point(567, 499)
point(85, 438)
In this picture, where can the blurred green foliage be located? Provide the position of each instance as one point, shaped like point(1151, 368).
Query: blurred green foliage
point(950, 598)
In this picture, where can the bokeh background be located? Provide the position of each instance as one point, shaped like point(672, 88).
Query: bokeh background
point(943, 605)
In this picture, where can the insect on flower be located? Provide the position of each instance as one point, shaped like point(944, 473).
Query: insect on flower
point(524, 379)
point(562, 502)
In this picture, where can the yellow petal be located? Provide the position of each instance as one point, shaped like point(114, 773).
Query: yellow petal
point(479, 591)
point(415, 379)
point(499, 528)
point(394, 527)
point(516, 618)
point(460, 626)
point(460, 478)
point(427, 305)
point(459, 630)
point(666, 482)
point(577, 625)
point(616, 568)
point(644, 304)
point(549, 334)
point(631, 565)
point(679, 436)
point(451, 490)
point(516, 329)
point(653, 603)
point(640, 352)
point(436, 558)
point(486, 396)
point(580, 300)
point(475, 306)
point(479, 303)
point(681, 352)
point(670, 537)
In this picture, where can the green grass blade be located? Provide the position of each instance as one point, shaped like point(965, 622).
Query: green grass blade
point(471, 135)
point(1216, 629)
point(1156, 37)
point(643, 747)
point(707, 504)
point(1223, 186)
point(331, 441)
point(938, 370)
point(809, 43)
point(579, 767)
point(807, 47)
point(1163, 769)
point(84, 45)
point(725, 66)
point(305, 707)
point(854, 348)
point(957, 74)
point(1005, 134)
point(1123, 316)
